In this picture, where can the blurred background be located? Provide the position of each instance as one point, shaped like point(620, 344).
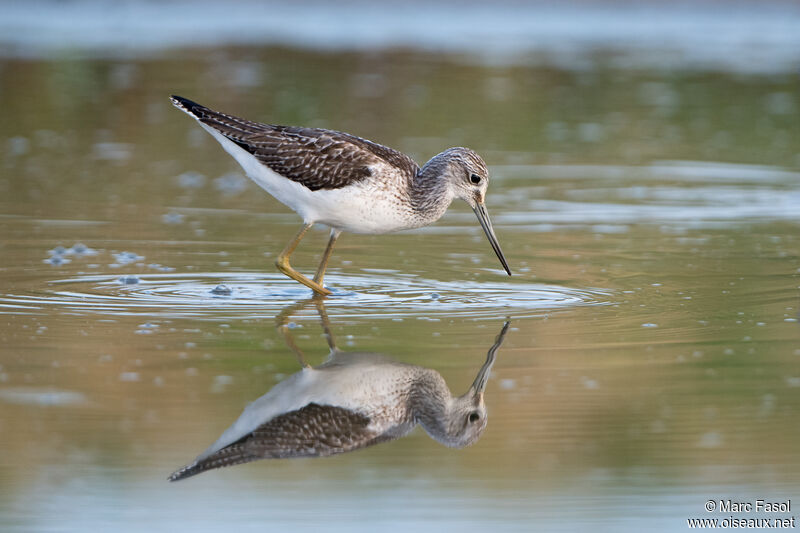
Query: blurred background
point(645, 161)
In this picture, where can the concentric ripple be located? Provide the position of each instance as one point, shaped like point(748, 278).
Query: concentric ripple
point(225, 296)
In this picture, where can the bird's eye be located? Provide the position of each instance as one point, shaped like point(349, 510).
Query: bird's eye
point(474, 417)
point(474, 178)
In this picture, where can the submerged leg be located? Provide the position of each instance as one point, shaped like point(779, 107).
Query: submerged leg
point(283, 328)
point(326, 323)
point(282, 323)
point(327, 255)
point(283, 264)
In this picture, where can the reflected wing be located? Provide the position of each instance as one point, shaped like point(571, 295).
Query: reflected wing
point(315, 158)
point(313, 431)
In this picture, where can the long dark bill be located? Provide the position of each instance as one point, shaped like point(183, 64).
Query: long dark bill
point(479, 385)
point(486, 224)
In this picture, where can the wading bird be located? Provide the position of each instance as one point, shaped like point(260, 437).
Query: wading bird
point(346, 182)
point(351, 401)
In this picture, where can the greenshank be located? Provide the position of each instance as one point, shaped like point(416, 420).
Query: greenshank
point(351, 401)
point(346, 182)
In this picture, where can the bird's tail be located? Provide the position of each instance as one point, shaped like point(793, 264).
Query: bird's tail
point(234, 128)
point(192, 108)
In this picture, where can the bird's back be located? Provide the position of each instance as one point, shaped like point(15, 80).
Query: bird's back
point(308, 168)
point(313, 157)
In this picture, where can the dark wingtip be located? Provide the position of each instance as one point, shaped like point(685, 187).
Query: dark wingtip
point(185, 104)
point(183, 473)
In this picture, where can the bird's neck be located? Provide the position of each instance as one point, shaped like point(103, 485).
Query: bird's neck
point(430, 192)
point(430, 402)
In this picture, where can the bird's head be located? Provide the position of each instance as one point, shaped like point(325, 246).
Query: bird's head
point(467, 175)
point(467, 414)
point(466, 422)
point(468, 179)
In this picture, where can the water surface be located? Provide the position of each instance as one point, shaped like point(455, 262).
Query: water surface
point(650, 216)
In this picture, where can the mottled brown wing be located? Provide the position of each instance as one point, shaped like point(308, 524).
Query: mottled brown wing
point(316, 158)
point(313, 431)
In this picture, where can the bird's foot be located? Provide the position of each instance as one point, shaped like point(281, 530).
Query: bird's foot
point(283, 265)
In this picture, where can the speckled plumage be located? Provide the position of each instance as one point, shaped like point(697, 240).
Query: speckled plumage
point(314, 157)
point(312, 431)
point(351, 401)
point(346, 182)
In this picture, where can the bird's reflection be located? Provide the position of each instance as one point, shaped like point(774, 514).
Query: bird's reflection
point(351, 401)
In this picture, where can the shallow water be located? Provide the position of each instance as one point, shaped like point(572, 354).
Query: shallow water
point(650, 217)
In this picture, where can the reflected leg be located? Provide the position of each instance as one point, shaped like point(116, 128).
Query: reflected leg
point(326, 324)
point(289, 340)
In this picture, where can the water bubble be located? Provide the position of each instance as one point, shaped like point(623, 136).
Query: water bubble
point(57, 260)
point(590, 132)
point(172, 218)
point(124, 258)
point(590, 384)
point(220, 383)
point(146, 329)
point(231, 184)
point(81, 249)
point(767, 405)
point(508, 384)
point(112, 151)
point(221, 290)
point(191, 180)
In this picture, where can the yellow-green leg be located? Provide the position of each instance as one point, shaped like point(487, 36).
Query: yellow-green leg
point(283, 264)
point(327, 255)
